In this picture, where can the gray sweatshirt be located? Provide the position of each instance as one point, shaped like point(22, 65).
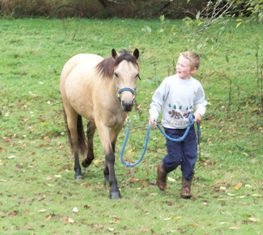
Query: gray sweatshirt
point(177, 98)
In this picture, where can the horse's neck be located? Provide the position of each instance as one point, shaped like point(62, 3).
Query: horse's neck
point(108, 91)
point(108, 96)
point(112, 89)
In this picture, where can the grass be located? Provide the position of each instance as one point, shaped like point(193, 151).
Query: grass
point(38, 193)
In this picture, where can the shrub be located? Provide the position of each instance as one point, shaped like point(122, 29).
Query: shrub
point(100, 8)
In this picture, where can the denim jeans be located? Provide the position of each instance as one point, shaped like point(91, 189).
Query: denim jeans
point(181, 153)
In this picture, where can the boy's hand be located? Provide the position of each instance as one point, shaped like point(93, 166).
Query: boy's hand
point(152, 122)
point(198, 118)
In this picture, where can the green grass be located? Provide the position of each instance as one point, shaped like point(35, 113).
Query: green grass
point(38, 190)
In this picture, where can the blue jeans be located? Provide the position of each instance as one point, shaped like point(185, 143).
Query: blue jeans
point(181, 153)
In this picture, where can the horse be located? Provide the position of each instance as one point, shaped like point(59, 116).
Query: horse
point(101, 90)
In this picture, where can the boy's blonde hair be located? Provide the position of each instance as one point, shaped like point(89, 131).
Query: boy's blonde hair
point(193, 58)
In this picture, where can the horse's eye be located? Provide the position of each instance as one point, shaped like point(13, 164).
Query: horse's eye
point(116, 75)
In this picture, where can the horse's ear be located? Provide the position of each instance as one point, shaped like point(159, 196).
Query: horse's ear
point(114, 53)
point(136, 53)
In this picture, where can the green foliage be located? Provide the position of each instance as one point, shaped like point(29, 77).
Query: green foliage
point(139, 9)
point(252, 8)
point(100, 8)
point(38, 192)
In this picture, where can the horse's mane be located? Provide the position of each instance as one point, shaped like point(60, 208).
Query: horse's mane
point(106, 66)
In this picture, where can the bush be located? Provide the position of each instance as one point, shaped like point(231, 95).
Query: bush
point(173, 9)
point(101, 8)
point(18, 8)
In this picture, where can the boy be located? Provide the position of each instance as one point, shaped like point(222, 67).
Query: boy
point(178, 97)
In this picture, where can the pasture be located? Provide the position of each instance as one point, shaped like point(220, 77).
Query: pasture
point(38, 192)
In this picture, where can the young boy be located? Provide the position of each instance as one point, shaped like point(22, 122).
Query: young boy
point(178, 97)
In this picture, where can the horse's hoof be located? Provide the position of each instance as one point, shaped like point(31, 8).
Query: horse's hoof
point(85, 163)
point(115, 195)
point(78, 176)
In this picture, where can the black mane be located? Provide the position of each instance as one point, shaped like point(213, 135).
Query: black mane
point(106, 67)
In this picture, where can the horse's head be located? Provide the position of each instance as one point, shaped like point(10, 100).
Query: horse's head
point(126, 72)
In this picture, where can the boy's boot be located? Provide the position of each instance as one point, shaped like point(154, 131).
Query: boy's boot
point(161, 177)
point(186, 189)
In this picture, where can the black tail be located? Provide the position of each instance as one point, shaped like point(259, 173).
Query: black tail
point(81, 134)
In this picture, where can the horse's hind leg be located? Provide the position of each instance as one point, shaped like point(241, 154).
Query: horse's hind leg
point(90, 154)
point(77, 167)
point(74, 125)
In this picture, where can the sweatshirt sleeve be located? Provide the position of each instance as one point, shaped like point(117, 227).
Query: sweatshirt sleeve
point(200, 101)
point(158, 98)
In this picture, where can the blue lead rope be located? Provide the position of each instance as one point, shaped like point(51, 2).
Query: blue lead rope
point(182, 138)
point(179, 139)
point(127, 164)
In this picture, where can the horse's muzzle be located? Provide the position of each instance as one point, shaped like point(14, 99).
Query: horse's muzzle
point(127, 107)
point(126, 96)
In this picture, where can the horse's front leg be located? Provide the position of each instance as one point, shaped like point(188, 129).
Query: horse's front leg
point(109, 170)
point(106, 169)
point(72, 122)
point(114, 190)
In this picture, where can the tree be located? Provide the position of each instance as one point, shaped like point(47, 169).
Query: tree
point(233, 8)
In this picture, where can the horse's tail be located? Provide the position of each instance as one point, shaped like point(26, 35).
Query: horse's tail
point(81, 134)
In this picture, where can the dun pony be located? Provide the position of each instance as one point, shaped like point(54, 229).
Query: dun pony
point(102, 90)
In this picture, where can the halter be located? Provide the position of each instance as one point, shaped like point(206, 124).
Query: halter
point(133, 91)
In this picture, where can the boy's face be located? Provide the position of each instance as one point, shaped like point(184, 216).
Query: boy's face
point(184, 69)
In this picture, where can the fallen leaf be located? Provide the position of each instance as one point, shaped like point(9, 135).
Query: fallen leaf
point(75, 210)
point(176, 218)
point(133, 180)
point(49, 178)
point(11, 157)
point(13, 213)
point(115, 220)
point(57, 176)
point(42, 210)
point(222, 188)
point(222, 223)
point(97, 162)
point(245, 154)
point(253, 219)
point(238, 186)
point(68, 220)
point(50, 216)
point(86, 206)
point(193, 225)
point(170, 179)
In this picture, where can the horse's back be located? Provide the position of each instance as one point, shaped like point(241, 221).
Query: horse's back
point(77, 67)
point(90, 60)
point(77, 81)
